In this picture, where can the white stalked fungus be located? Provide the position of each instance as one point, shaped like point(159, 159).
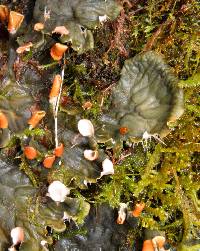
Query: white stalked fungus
point(107, 167)
point(57, 191)
point(17, 235)
point(90, 154)
point(86, 128)
point(121, 213)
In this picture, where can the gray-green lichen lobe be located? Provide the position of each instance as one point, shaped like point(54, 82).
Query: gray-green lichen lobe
point(78, 17)
point(145, 99)
point(27, 210)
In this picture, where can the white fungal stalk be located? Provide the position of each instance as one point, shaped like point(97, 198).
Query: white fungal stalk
point(57, 191)
point(86, 128)
point(57, 106)
point(107, 167)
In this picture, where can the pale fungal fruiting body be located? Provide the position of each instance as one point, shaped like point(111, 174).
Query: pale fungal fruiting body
point(121, 213)
point(36, 118)
point(14, 21)
point(90, 154)
point(107, 167)
point(3, 121)
point(30, 152)
point(57, 51)
point(57, 191)
point(25, 47)
point(86, 128)
point(38, 26)
point(61, 30)
point(4, 13)
point(17, 235)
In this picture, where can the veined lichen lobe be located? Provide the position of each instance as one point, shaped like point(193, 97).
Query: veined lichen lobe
point(79, 17)
point(144, 100)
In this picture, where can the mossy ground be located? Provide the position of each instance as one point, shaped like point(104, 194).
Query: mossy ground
point(165, 177)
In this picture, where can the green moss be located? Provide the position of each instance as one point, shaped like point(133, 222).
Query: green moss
point(27, 170)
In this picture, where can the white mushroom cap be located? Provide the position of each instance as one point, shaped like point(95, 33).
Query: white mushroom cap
point(90, 154)
point(57, 191)
point(107, 167)
point(86, 127)
point(17, 235)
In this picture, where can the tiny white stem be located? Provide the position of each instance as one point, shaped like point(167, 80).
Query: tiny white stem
point(57, 105)
point(56, 130)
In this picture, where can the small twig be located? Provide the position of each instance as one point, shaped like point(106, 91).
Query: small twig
point(104, 93)
point(150, 43)
point(117, 41)
point(123, 157)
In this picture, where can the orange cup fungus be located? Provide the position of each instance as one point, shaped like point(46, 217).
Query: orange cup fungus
point(123, 130)
point(57, 51)
point(138, 209)
point(14, 21)
point(35, 118)
point(59, 150)
point(30, 152)
point(3, 121)
point(57, 81)
point(147, 246)
point(4, 13)
point(48, 161)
